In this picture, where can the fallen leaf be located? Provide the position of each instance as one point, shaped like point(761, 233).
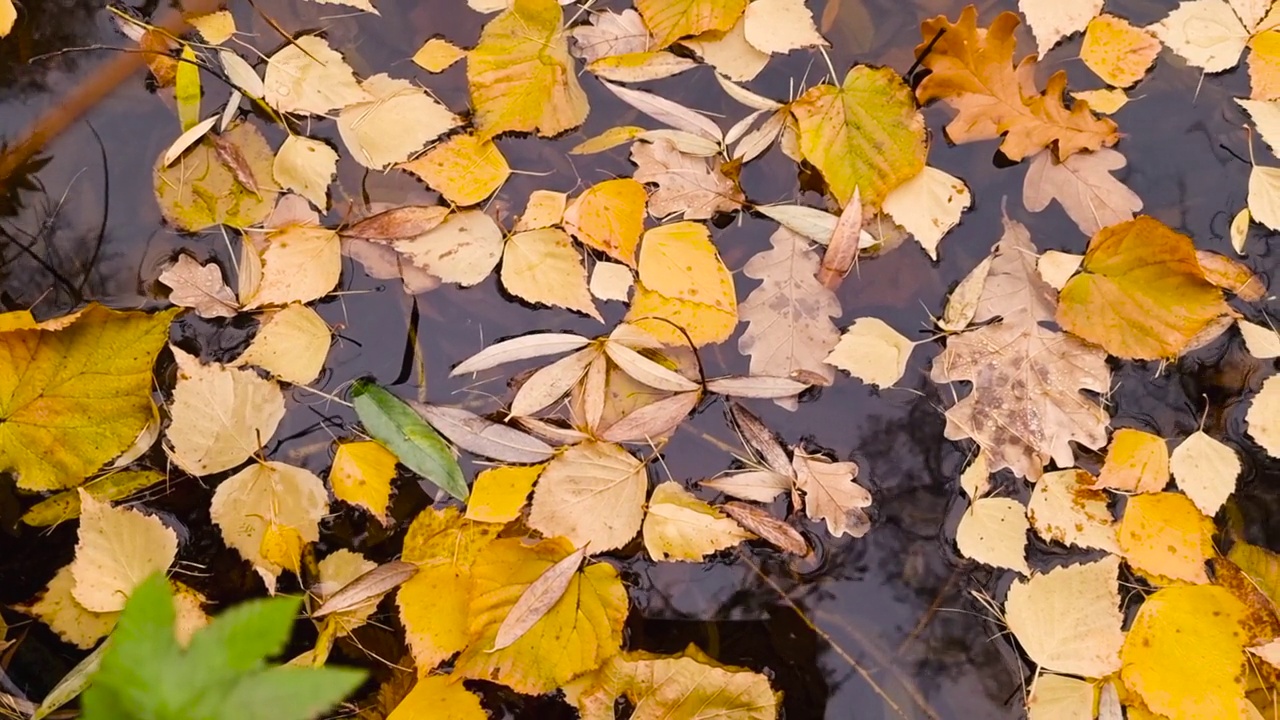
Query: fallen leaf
point(525, 347)
point(611, 281)
point(1068, 619)
point(729, 52)
point(437, 55)
point(263, 496)
point(401, 223)
point(397, 121)
point(1118, 52)
point(200, 191)
point(478, 435)
point(768, 528)
point(928, 206)
point(1233, 276)
point(975, 74)
point(1056, 268)
point(691, 187)
point(308, 76)
point(873, 352)
point(592, 493)
point(975, 481)
point(762, 441)
point(500, 493)
point(1262, 342)
point(537, 599)
point(1083, 185)
point(189, 137)
point(682, 528)
point(609, 217)
point(361, 474)
point(576, 635)
point(842, 248)
point(219, 416)
point(1066, 508)
point(117, 549)
point(768, 387)
point(1142, 294)
point(1058, 696)
point(463, 169)
point(1164, 537)
point(831, 494)
point(543, 209)
point(609, 34)
point(670, 20)
point(242, 76)
point(1266, 119)
point(57, 608)
point(1206, 33)
point(416, 444)
point(1105, 101)
point(297, 264)
point(678, 322)
point(306, 166)
point(639, 67)
point(780, 26)
point(65, 505)
point(351, 585)
point(607, 140)
point(550, 383)
point(993, 531)
point(755, 485)
point(521, 76)
point(1206, 470)
point(1264, 195)
point(679, 261)
point(1052, 21)
point(291, 345)
point(542, 266)
point(1137, 462)
point(438, 696)
point(867, 134)
point(1263, 417)
point(1184, 653)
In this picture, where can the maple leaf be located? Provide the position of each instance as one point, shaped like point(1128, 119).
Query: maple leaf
point(693, 187)
point(973, 72)
point(1083, 185)
point(789, 316)
point(1026, 405)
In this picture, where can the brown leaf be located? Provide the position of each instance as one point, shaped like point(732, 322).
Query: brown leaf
point(690, 186)
point(373, 584)
point(761, 440)
point(199, 287)
point(842, 251)
point(653, 421)
point(1231, 275)
point(830, 494)
point(400, 223)
point(767, 527)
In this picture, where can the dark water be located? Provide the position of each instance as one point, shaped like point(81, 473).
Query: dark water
point(887, 621)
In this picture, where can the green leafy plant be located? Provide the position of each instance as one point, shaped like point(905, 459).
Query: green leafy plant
point(223, 672)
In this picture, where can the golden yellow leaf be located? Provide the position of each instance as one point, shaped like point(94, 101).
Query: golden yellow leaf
point(361, 475)
point(438, 697)
point(437, 55)
point(247, 504)
point(681, 527)
point(867, 134)
point(57, 608)
point(670, 20)
point(399, 120)
point(1105, 100)
point(1068, 619)
point(1118, 52)
point(578, 634)
point(608, 139)
point(1137, 462)
point(281, 546)
point(994, 531)
point(8, 16)
point(1184, 654)
point(499, 493)
point(65, 505)
point(308, 76)
point(1142, 294)
point(680, 262)
point(1165, 537)
point(215, 27)
point(1206, 470)
point(291, 345)
point(117, 549)
point(433, 604)
point(521, 75)
point(220, 415)
point(1264, 65)
point(660, 316)
point(1057, 697)
point(306, 166)
point(873, 352)
point(1065, 508)
point(542, 266)
point(464, 169)
point(1263, 417)
point(609, 217)
point(591, 493)
point(71, 400)
point(297, 264)
point(544, 209)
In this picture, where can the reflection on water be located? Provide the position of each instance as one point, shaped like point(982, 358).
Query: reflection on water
point(888, 621)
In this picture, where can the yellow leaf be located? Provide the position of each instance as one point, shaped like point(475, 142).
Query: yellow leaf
point(611, 281)
point(780, 26)
point(1184, 654)
point(282, 546)
point(306, 166)
point(1105, 101)
point(439, 697)
point(1206, 470)
point(591, 493)
point(1264, 65)
point(464, 169)
point(1052, 21)
point(399, 121)
point(1264, 195)
point(1065, 508)
point(361, 475)
point(118, 548)
point(66, 504)
point(867, 134)
point(609, 217)
point(1208, 34)
point(729, 52)
point(215, 27)
point(1118, 52)
point(291, 345)
point(679, 262)
point(578, 634)
point(297, 264)
point(462, 249)
point(928, 206)
point(994, 531)
point(8, 16)
point(681, 527)
point(220, 415)
point(1068, 619)
point(308, 76)
point(336, 571)
point(247, 504)
point(437, 55)
point(499, 493)
point(1057, 697)
point(1142, 294)
point(521, 75)
point(1137, 462)
point(542, 266)
point(544, 209)
point(73, 399)
point(1263, 416)
point(670, 20)
point(1164, 537)
point(873, 352)
point(433, 603)
point(660, 316)
point(608, 139)
point(57, 608)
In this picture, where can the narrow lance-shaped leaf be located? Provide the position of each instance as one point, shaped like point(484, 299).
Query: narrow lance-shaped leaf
point(393, 423)
point(537, 599)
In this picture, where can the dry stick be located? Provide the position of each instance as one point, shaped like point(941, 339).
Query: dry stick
point(844, 655)
point(101, 83)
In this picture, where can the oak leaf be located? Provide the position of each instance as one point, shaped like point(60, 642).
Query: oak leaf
point(1084, 186)
point(199, 287)
point(694, 188)
point(830, 494)
point(973, 71)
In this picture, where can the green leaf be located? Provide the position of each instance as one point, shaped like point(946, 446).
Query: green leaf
point(141, 668)
point(242, 638)
point(187, 89)
point(394, 424)
point(289, 693)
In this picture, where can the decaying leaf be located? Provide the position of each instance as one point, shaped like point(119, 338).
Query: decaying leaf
point(361, 474)
point(830, 494)
point(1164, 536)
point(537, 599)
point(1083, 185)
point(199, 191)
point(1065, 507)
point(693, 188)
point(768, 528)
point(1118, 52)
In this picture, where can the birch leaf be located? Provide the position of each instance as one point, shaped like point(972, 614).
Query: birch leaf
point(500, 493)
point(398, 121)
point(609, 34)
point(680, 527)
point(1066, 508)
point(199, 287)
point(361, 474)
point(928, 206)
point(1137, 462)
point(670, 20)
point(437, 55)
point(609, 217)
point(692, 187)
point(593, 493)
point(542, 266)
point(994, 531)
point(1084, 186)
point(307, 76)
point(729, 52)
point(291, 345)
point(1263, 416)
point(1052, 21)
point(780, 26)
point(679, 261)
point(1206, 33)
point(463, 249)
point(297, 264)
point(789, 316)
point(1206, 470)
point(1164, 537)
point(306, 166)
point(1118, 52)
point(118, 548)
point(1069, 618)
point(872, 351)
point(463, 169)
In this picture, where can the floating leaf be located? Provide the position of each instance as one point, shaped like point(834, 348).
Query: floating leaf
point(872, 351)
point(464, 169)
point(117, 549)
point(592, 493)
point(393, 423)
point(780, 26)
point(437, 55)
point(500, 493)
point(439, 696)
point(1083, 185)
point(670, 20)
point(542, 266)
point(1206, 470)
point(1118, 52)
point(362, 592)
point(66, 505)
point(679, 261)
point(680, 527)
point(462, 249)
point(1163, 535)
point(525, 347)
point(994, 531)
point(1068, 619)
point(306, 166)
point(928, 206)
point(397, 121)
point(296, 264)
point(831, 494)
point(1208, 34)
point(484, 437)
point(1052, 21)
point(1065, 507)
point(537, 599)
point(1058, 696)
point(1137, 462)
point(770, 529)
point(609, 217)
point(307, 76)
point(1263, 417)
point(693, 188)
point(291, 345)
point(199, 191)
point(361, 474)
point(199, 287)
